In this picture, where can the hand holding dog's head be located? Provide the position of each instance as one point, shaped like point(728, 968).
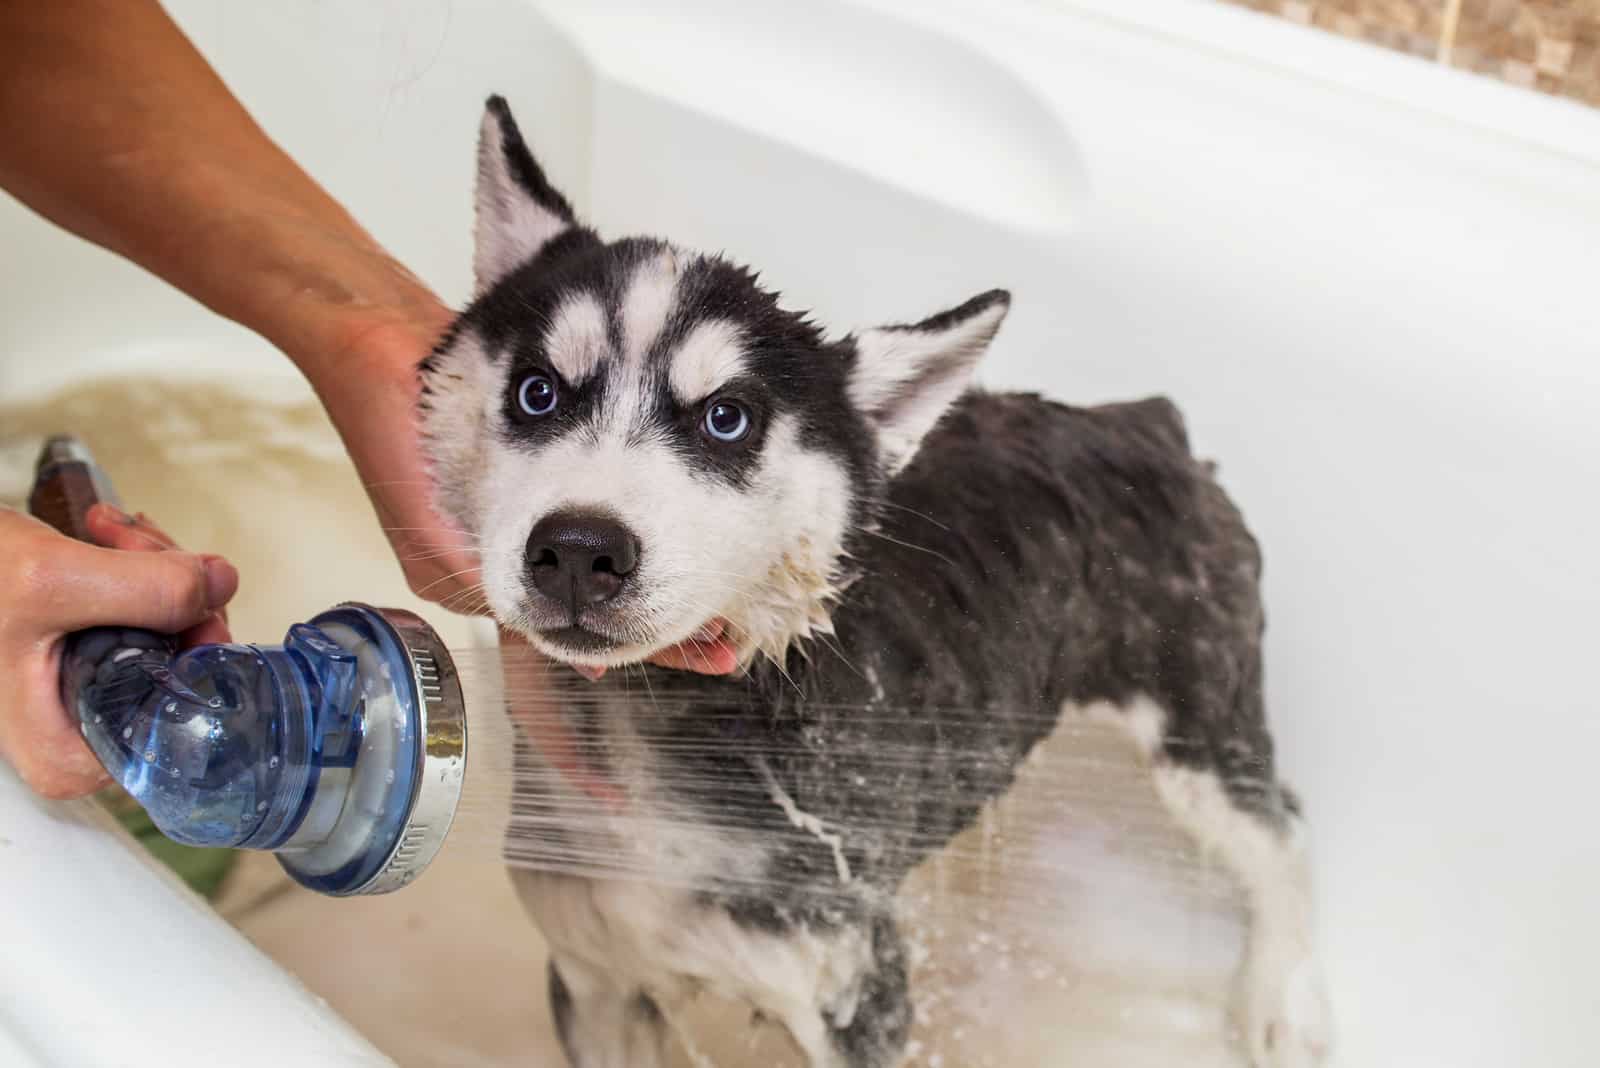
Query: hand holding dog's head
point(642, 440)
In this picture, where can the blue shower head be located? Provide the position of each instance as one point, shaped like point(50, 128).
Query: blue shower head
point(341, 750)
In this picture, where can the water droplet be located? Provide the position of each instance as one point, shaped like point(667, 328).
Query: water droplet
point(174, 773)
point(98, 718)
point(215, 702)
point(172, 706)
point(150, 756)
point(388, 776)
point(127, 732)
point(272, 762)
point(261, 806)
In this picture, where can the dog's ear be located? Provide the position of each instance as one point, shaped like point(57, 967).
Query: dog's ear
point(904, 377)
point(518, 210)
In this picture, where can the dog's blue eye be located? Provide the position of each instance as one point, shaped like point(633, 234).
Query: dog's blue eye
point(537, 394)
point(726, 421)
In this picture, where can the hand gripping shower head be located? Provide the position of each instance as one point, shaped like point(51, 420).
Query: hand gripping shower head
point(341, 750)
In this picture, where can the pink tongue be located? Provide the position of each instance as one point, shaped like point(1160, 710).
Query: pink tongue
point(707, 652)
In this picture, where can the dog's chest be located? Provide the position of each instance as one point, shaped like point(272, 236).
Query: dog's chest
point(664, 942)
point(607, 791)
point(635, 886)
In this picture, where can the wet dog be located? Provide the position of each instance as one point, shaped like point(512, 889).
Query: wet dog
point(920, 581)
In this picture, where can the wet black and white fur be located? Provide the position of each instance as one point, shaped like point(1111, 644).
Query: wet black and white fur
point(907, 563)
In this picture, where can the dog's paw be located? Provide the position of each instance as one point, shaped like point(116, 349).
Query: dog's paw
point(1282, 1013)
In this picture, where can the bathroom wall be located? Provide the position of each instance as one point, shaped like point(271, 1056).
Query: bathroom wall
point(1549, 45)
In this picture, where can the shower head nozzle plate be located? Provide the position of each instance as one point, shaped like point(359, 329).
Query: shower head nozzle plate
point(396, 800)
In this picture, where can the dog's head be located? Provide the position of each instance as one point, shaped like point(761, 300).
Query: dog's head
point(642, 440)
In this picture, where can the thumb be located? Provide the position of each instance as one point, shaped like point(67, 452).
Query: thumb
point(166, 591)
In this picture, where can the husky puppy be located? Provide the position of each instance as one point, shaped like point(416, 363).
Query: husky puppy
point(921, 580)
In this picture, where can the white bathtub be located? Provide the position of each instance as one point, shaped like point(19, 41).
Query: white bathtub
point(1371, 284)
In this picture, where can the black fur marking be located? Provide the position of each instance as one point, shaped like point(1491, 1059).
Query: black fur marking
point(640, 1011)
point(791, 370)
point(684, 426)
point(959, 314)
point(521, 165)
point(878, 1030)
point(644, 1008)
point(575, 404)
point(561, 1009)
point(430, 363)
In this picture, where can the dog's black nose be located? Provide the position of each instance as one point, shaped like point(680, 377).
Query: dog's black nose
point(581, 558)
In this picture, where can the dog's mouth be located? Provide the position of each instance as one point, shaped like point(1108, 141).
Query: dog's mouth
point(580, 640)
point(707, 651)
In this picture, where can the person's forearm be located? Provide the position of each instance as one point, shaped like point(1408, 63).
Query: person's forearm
point(113, 126)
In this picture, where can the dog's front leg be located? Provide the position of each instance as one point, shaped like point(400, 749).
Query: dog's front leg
point(867, 1025)
point(602, 1025)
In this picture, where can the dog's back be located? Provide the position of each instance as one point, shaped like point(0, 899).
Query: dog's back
point(1033, 557)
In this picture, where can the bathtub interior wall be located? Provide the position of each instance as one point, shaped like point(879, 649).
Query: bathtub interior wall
point(1368, 282)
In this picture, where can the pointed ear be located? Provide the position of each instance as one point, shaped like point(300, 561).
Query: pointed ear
point(518, 210)
point(905, 377)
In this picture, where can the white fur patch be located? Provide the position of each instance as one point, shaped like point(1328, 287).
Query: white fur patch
point(1280, 1003)
point(458, 412)
point(647, 303)
point(905, 378)
point(576, 342)
point(645, 937)
point(709, 357)
point(1141, 719)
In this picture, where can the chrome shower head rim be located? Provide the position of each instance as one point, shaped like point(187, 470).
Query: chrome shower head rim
point(441, 750)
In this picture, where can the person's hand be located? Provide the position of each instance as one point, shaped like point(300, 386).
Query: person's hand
point(50, 586)
point(371, 386)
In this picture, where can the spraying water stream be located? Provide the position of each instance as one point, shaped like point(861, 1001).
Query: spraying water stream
point(1070, 917)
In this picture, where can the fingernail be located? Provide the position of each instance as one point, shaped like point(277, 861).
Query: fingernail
point(117, 515)
point(221, 581)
